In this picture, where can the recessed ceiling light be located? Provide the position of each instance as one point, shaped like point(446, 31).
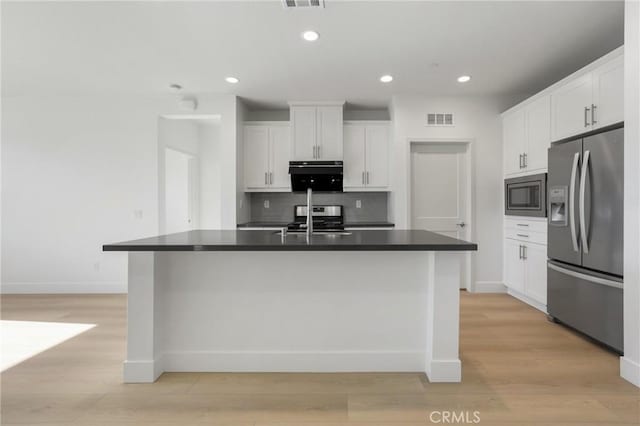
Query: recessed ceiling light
point(310, 35)
point(232, 80)
point(464, 78)
point(386, 79)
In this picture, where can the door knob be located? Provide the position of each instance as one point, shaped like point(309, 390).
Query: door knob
point(461, 224)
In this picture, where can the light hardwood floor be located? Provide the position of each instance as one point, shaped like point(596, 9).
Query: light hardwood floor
point(517, 369)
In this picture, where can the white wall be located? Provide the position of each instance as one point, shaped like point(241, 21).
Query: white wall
point(210, 180)
point(243, 200)
point(477, 119)
point(630, 363)
point(79, 172)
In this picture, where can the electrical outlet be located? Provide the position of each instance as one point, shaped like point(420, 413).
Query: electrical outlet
point(137, 214)
point(358, 204)
point(266, 204)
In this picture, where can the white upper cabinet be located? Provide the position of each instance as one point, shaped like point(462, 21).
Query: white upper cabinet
point(280, 152)
point(377, 157)
point(538, 117)
point(354, 156)
point(570, 108)
point(256, 156)
point(317, 131)
point(329, 140)
point(526, 137)
point(608, 93)
point(590, 101)
point(514, 138)
point(267, 149)
point(303, 131)
point(366, 156)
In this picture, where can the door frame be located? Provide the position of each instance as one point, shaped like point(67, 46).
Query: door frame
point(469, 219)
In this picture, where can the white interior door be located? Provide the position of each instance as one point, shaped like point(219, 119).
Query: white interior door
point(439, 191)
point(180, 191)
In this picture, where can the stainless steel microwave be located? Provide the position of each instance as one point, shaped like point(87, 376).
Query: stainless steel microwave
point(526, 196)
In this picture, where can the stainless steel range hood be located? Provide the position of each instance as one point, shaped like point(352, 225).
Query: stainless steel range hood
point(319, 176)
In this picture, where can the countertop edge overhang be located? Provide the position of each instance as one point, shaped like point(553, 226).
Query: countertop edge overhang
point(355, 247)
point(260, 241)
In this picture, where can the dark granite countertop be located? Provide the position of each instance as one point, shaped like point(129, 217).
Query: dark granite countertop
point(377, 240)
point(346, 225)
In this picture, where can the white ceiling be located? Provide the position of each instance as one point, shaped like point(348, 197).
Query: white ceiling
point(141, 47)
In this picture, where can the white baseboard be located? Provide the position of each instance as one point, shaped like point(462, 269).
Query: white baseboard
point(526, 299)
point(63, 287)
point(630, 371)
point(317, 362)
point(489, 287)
point(444, 371)
point(141, 371)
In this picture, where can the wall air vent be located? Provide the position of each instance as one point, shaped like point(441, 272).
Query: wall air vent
point(302, 3)
point(440, 119)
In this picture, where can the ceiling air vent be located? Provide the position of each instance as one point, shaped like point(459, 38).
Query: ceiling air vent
point(439, 119)
point(302, 3)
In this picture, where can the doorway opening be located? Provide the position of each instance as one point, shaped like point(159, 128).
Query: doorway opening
point(189, 180)
point(440, 189)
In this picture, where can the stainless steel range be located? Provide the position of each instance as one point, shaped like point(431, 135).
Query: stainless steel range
point(325, 218)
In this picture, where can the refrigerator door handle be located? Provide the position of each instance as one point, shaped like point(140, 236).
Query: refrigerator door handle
point(590, 278)
point(583, 186)
point(572, 201)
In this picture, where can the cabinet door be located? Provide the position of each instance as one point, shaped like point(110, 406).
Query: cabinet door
point(354, 148)
point(377, 156)
point(513, 265)
point(329, 128)
point(538, 116)
point(303, 125)
point(570, 106)
point(608, 93)
point(536, 272)
point(256, 156)
point(513, 135)
point(280, 141)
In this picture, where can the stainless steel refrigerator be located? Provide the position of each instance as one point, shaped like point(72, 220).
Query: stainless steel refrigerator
point(585, 235)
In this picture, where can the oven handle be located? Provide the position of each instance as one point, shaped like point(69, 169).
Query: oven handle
point(572, 201)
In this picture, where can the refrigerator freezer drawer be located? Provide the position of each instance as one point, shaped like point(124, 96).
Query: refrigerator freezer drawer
point(590, 304)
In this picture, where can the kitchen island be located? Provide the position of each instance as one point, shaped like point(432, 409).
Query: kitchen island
point(239, 301)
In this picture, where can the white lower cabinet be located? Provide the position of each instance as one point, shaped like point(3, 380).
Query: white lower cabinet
point(525, 267)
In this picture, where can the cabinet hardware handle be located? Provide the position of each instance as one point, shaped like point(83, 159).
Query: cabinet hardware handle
point(314, 152)
point(593, 114)
point(586, 112)
point(520, 252)
point(319, 152)
point(522, 224)
point(524, 160)
point(520, 164)
point(522, 235)
point(270, 178)
point(363, 178)
point(524, 252)
point(367, 178)
point(265, 178)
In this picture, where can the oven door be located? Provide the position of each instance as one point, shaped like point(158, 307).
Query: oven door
point(526, 196)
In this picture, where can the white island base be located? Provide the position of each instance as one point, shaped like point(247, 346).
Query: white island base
point(321, 311)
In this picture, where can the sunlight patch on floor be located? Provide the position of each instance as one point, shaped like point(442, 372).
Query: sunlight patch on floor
point(21, 340)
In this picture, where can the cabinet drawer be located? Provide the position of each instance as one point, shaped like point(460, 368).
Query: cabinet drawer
point(526, 224)
point(526, 235)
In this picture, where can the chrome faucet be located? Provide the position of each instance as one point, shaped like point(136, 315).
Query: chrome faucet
point(309, 212)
